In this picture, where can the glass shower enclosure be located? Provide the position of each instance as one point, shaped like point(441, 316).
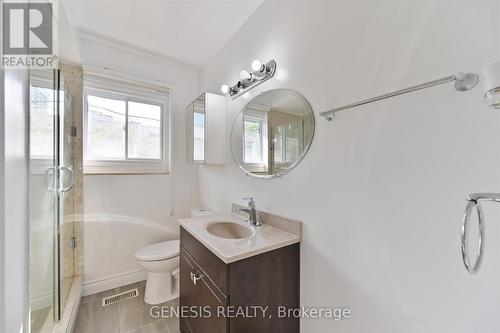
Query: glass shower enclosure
point(51, 198)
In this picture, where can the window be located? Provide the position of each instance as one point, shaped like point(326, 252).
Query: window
point(287, 143)
point(293, 136)
point(42, 122)
point(144, 129)
point(126, 131)
point(278, 145)
point(253, 141)
point(105, 128)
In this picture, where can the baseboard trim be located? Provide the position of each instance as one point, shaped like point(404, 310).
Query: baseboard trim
point(110, 282)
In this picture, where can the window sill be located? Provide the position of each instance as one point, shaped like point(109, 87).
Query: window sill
point(124, 168)
point(255, 167)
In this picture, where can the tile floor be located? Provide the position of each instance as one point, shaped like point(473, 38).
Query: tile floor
point(130, 316)
point(38, 319)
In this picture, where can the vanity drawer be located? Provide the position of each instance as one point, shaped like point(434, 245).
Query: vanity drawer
point(215, 268)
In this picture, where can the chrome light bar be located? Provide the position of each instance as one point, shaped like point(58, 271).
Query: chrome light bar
point(260, 74)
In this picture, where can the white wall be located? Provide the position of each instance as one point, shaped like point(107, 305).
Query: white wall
point(14, 210)
point(68, 49)
point(381, 191)
point(2, 205)
point(147, 197)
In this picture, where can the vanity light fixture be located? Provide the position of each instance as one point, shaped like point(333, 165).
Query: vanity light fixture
point(261, 73)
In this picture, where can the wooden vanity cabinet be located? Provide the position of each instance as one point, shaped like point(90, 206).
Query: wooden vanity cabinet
point(270, 279)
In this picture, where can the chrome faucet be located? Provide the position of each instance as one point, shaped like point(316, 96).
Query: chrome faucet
point(253, 216)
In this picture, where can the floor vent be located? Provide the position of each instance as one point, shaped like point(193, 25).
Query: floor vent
point(120, 297)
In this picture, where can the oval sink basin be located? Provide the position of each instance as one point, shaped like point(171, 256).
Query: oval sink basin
point(229, 230)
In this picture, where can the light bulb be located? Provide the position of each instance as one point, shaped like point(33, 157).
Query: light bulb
point(224, 88)
point(492, 98)
point(257, 65)
point(244, 75)
point(492, 85)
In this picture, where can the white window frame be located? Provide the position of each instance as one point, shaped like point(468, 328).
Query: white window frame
point(108, 89)
point(259, 121)
point(261, 118)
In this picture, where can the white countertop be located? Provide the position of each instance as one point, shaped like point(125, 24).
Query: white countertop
point(264, 239)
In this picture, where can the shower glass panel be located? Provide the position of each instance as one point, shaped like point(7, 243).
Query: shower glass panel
point(51, 198)
point(43, 200)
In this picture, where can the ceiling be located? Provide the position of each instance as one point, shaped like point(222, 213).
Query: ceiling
point(191, 31)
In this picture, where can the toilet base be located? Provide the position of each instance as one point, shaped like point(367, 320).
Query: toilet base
point(160, 288)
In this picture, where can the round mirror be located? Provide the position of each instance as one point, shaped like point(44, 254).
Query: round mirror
point(272, 133)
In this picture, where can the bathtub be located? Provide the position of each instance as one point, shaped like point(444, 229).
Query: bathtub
point(110, 242)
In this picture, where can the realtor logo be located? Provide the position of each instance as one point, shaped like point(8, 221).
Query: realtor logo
point(29, 35)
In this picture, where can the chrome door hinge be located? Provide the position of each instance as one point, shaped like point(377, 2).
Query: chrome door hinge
point(73, 131)
point(73, 242)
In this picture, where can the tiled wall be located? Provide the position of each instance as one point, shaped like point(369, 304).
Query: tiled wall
point(73, 227)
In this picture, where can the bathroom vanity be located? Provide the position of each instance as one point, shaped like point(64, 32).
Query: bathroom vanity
point(239, 278)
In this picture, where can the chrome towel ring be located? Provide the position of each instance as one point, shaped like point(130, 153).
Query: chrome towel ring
point(473, 268)
point(474, 202)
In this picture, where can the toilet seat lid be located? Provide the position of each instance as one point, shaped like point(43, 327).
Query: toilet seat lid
point(159, 251)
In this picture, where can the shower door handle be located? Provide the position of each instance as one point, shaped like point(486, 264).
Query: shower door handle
point(49, 173)
point(62, 170)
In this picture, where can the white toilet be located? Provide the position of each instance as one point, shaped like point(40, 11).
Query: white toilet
point(161, 261)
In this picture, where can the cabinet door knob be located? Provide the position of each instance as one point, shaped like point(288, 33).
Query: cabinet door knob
point(195, 277)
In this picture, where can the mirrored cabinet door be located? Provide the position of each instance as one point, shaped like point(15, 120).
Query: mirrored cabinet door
point(189, 132)
point(199, 123)
point(206, 130)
